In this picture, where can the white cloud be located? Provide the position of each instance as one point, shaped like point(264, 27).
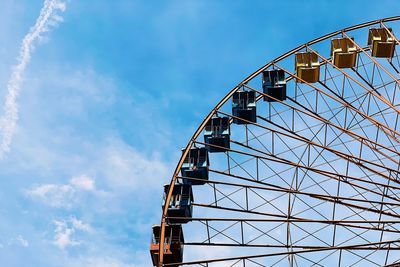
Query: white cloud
point(78, 224)
point(62, 195)
point(126, 168)
point(22, 241)
point(83, 182)
point(8, 122)
point(63, 235)
point(65, 230)
point(53, 195)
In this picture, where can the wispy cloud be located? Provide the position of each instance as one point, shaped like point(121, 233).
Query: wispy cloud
point(63, 235)
point(47, 19)
point(83, 182)
point(53, 195)
point(22, 241)
point(65, 230)
point(62, 195)
point(80, 225)
point(126, 168)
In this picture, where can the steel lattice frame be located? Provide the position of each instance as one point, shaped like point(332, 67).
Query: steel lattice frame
point(315, 181)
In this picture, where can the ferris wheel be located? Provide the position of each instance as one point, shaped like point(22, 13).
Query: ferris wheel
point(298, 165)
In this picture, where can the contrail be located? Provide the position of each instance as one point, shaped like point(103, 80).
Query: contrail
point(8, 122)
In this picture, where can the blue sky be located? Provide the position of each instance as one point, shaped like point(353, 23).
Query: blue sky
point(109, 98)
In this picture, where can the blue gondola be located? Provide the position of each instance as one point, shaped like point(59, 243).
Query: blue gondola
point(274, 85)
point(244, 107)
point(217, 134)
point(180, 205)
point(196, 166)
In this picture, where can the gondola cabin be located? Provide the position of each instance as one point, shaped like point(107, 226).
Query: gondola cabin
point(244, 107)
point(195, 165)
point(307, 67)
point(274, 85)
point(217, 134)
point(180, 205)
point(173, 245)
point(381, 42)
point(343, 53)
